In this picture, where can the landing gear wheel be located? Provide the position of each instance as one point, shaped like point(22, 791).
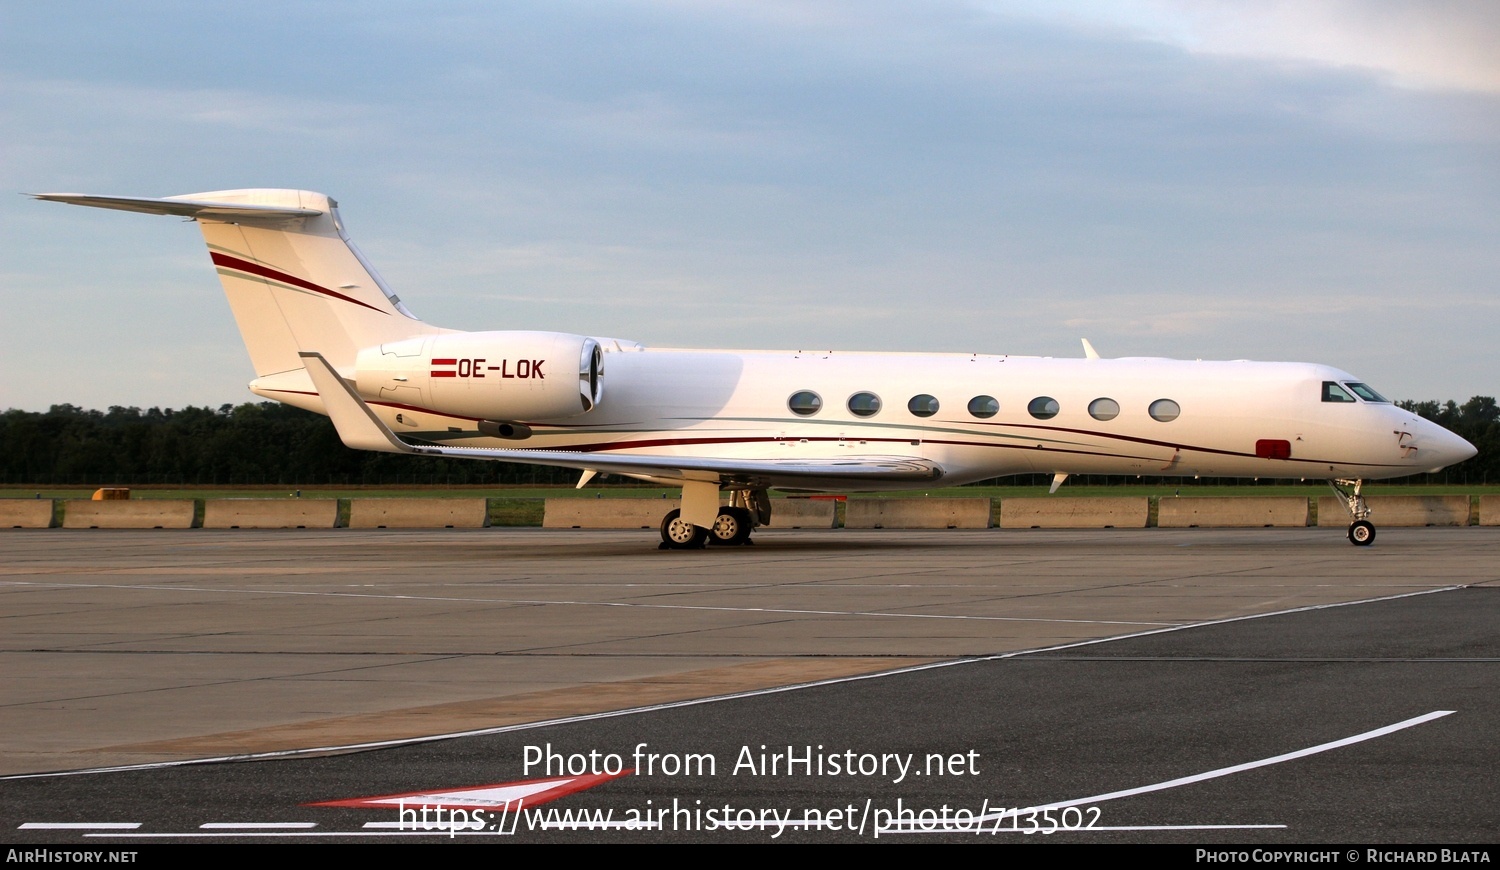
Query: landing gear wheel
point(732, 527)
point(1361, 533)
point(679, 534)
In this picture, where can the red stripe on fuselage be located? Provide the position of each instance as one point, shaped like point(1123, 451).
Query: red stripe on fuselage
point(610, 446)
point(230, 262)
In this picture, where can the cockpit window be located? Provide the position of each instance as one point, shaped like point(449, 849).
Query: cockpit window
point(1332, 392)
point(1364, 392)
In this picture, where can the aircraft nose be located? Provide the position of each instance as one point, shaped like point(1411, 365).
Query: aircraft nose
point(1443, 448)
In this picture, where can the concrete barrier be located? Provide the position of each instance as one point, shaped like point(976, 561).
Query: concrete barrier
point(1489, 510)
point(1400, 510)
point(1241, 512)
point(135, 513)
point(419, 513)
point(25, 513)
point(802, 513)
point(270, 513)
point(606, 513)
point(917, 513)
point(1062, 512)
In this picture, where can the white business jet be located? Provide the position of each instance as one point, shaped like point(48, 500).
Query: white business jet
point(326, 334)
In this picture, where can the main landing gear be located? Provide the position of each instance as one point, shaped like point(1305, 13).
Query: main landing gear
point(732, 527)
point(1361, 530)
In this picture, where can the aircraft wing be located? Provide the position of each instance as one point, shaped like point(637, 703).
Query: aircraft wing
point(361, 429)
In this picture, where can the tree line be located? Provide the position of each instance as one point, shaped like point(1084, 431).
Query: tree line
point(269, 443)
point(234, 445)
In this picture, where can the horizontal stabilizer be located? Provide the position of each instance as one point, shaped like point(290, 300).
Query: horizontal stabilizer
point(184, 207)
point(357, 425)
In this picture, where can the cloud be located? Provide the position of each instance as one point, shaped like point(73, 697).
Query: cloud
point(234, 110)
point(1441, 44)
point(1248, 179)
point(1173, 316)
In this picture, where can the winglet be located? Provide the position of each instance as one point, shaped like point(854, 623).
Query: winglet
point(357, 425)
point(1088, 350)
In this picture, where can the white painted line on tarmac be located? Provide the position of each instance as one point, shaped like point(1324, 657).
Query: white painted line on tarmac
point(78, 826)
point(1225, 771)
point(1212, 622)
point(392, 829)
point(993, 823)
point(273, 834)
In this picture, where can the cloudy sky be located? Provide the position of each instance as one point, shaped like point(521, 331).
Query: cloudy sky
point(1261, 180)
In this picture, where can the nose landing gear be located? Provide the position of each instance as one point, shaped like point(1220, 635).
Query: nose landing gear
point(1361, 530)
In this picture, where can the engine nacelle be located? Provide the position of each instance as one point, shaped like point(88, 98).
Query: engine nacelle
point(490, 376)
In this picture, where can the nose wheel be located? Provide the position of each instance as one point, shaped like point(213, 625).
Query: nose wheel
point(1361, 530)
point(1361, 533)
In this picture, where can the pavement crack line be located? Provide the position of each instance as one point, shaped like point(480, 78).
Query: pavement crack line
point(564, 602)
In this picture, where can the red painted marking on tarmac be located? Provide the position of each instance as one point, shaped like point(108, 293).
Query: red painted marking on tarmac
point(498, 797)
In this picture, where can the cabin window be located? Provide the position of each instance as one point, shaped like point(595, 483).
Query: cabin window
point(1332, 392)
point(1104, 409)
point(984, 407)
point(1364, 392)
point(864, 404)
point(923, 405)
point(1043, 407)
point(805, 403)
point(1164, 410)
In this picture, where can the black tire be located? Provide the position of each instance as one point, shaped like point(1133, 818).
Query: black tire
point(678, 534)
point(1361, 533)
point(731, 528)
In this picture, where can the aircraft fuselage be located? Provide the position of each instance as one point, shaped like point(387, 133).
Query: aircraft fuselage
point(1233, 419)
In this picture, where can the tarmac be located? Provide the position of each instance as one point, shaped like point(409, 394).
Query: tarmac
point(147, 646)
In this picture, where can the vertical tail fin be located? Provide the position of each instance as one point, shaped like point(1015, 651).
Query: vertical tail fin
point(294, 280)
